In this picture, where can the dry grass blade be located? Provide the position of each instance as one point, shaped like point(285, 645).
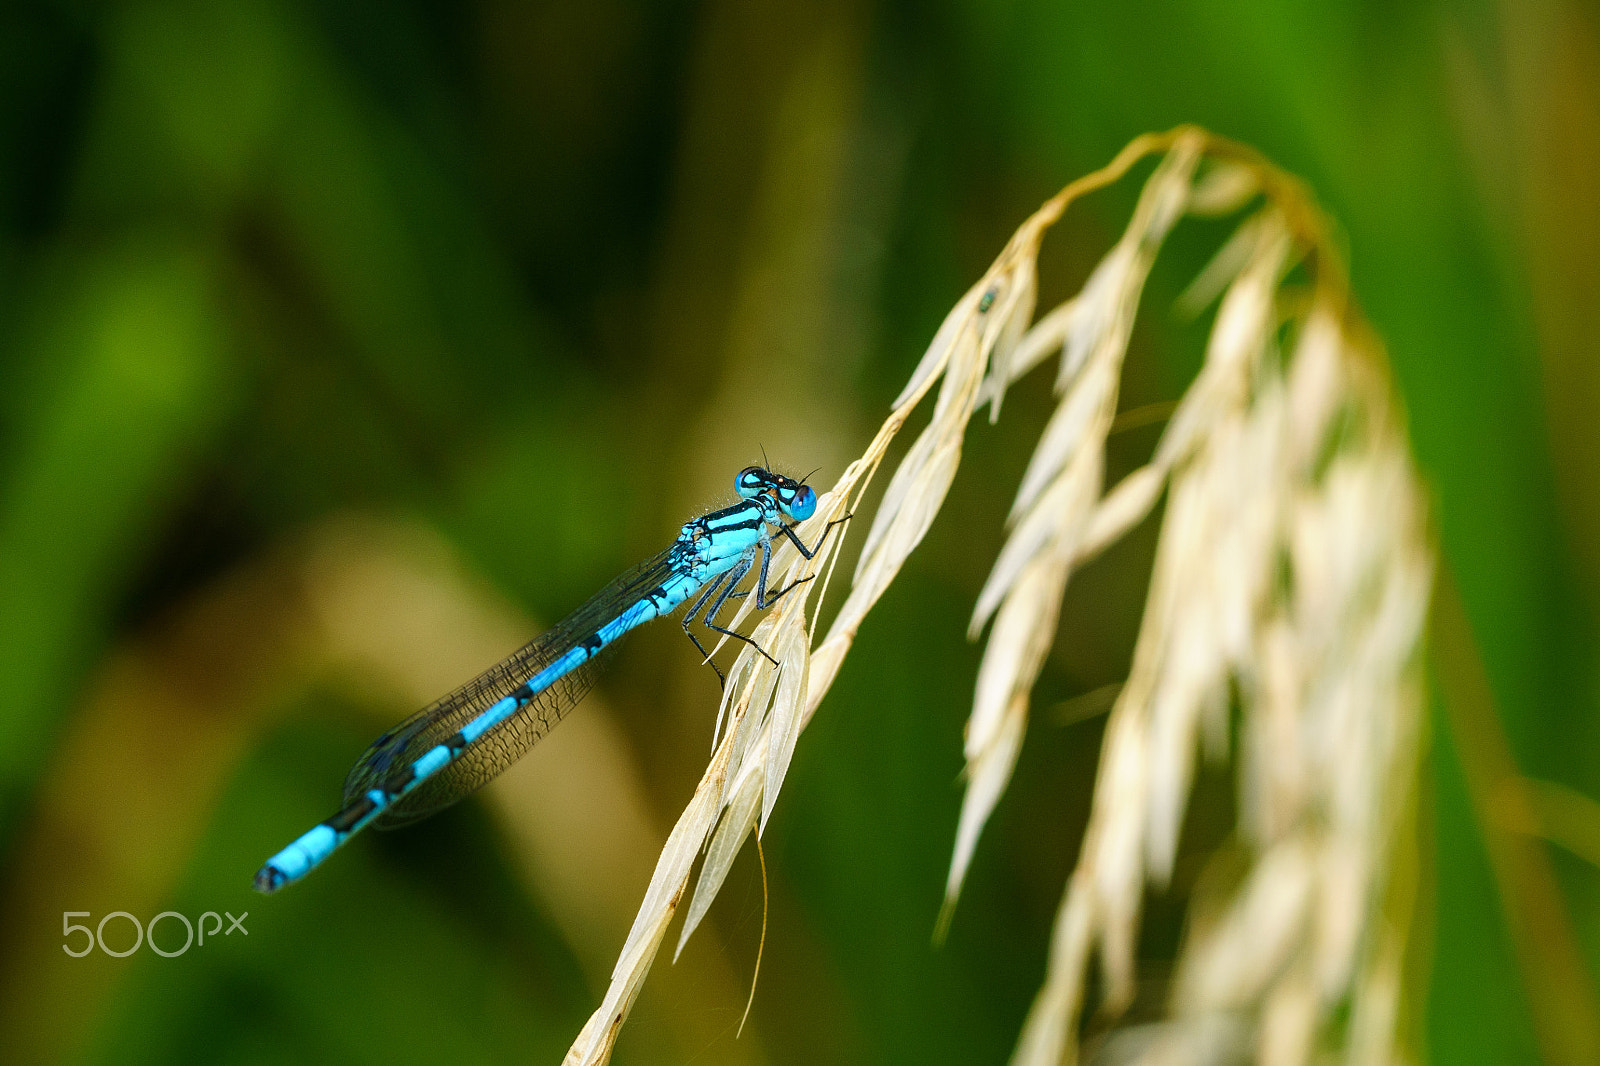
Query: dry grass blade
point(1291, 579)
point(1293, 569)
point(1063, 483)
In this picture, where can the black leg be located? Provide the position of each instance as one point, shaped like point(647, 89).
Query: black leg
point(788, 531)
point(781, 593)
point(694, 609)
point(735, 576)
point(763, 601)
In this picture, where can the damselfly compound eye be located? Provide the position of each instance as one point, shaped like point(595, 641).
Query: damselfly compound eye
point(802, 505)
point(751, 480)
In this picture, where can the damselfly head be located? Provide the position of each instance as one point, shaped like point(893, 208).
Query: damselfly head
point(794, 498)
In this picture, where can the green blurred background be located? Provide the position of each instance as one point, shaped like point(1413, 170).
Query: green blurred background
point(487, 298)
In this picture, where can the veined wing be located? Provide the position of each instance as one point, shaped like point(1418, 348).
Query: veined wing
point(511, 739)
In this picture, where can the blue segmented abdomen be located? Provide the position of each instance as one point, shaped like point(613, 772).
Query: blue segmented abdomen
point(312, 847)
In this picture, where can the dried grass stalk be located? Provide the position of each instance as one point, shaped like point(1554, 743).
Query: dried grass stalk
point(1291, 579)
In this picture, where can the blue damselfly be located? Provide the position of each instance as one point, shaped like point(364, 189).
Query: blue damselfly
point(463, 740)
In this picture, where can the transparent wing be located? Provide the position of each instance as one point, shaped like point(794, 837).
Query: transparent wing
point(507, 742)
